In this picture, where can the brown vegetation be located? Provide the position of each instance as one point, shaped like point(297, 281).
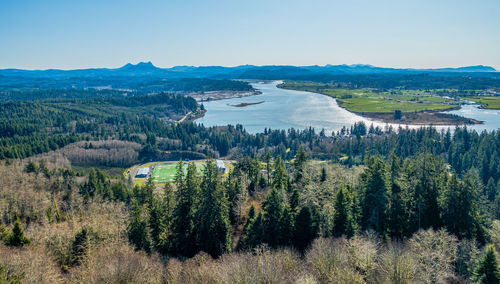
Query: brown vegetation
point(429, 256)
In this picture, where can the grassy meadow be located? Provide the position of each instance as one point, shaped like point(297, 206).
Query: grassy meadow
point(372, 101)
point(487, 102)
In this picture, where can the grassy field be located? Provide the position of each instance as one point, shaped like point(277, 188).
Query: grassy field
point(163, 173)
point(371, 101)
point(486, 102)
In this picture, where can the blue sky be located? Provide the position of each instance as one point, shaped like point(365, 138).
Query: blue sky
point(67, 34)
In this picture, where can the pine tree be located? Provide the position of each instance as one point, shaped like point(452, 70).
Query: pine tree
point(286, 226)
point(460, 208)
point(487, 270)
point(168, 206)
point(213, 221)
point(16, 238)
point(31, 167)
point(374, 203)
point(79, 247)
point(304, 231)
point(184, 218)
point(138, 234)
point(428, 176)
point(91, 186)
point(491, 190)
point(179, 175)
point(236, 195)
point(250, 218)
point(256, 233)
point(397, 215)
point(343, 223)
point(157, 221)
point(294, 201)
point(273, 208)
point(298, 164)
point(280, 179)
point(323, 175)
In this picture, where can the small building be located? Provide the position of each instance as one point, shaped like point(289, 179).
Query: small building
point(219, 164)
point(143, 172)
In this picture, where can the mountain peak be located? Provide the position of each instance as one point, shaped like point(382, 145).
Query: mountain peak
point(139, 66)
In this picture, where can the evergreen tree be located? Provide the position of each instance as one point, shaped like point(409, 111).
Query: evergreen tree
point(374, 203)
point(491, 190)
point(397, 215)
point(273, 209)
point(487, 270)
point(79, 247)
point(213, 221)
point(138, 234)
point(168, 206)
point(323, 175)
point(179, 175)
point(236, 195)
point(16, 238)
point(460, 208)
point(157, 221)
point(343, 223)
point(427, 175)
point(294, 201)
point(184, 218)
point(286, 226)
point(280, 179)
point(31, 167)
point(250, 218)
point(256, 234)
point(298, 164)
point(304, 231)
point(267, 159)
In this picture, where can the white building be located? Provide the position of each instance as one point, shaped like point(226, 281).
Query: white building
point(143, 172)
point(220, 166)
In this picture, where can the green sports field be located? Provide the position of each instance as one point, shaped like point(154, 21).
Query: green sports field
point(166, 172)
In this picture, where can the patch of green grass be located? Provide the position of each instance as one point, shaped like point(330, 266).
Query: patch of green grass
point(373, 101)
point(486, 102)
point(166, 172)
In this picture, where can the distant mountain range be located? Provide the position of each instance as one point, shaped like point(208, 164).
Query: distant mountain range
point(147, 69)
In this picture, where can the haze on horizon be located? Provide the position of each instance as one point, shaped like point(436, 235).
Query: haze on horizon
point(403, 34)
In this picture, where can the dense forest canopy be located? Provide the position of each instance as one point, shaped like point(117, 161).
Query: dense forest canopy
point(25, 88)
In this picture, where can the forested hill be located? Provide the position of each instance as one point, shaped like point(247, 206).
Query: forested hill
point(27, 88)
point(147, 69)
point(145, 77)
point(411, 207)
point(34, 127)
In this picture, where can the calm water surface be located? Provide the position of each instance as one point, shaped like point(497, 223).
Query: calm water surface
point(283, 109)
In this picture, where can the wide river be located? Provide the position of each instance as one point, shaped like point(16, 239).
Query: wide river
point(284, 109)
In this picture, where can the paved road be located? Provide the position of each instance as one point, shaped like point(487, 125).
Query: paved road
point(184, 118)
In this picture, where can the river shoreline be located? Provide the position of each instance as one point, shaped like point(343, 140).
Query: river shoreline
point(286, 109)
point(423, 118)
point(436, 118)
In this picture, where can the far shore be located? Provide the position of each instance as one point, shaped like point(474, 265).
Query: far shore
point(427, 117)
point(422, 118)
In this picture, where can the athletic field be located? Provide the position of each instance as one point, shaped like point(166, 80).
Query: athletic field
point(166, 172)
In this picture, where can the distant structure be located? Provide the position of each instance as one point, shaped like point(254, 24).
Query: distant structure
point(143, 172)
point(220, 166)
